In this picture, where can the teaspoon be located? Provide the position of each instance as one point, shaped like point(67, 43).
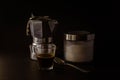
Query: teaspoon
point(60, 61)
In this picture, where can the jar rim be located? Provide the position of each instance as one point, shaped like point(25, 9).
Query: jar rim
point(79, 36)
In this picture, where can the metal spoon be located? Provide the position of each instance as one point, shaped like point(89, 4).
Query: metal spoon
point(60, 61)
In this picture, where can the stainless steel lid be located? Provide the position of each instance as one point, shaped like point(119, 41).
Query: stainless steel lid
point(79, 36)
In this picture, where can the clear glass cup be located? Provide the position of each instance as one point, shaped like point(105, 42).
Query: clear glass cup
point(45, 54)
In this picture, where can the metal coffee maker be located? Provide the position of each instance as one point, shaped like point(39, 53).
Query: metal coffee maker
point(41, 29)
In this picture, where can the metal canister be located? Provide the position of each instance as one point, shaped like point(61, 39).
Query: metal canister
point(79, 46)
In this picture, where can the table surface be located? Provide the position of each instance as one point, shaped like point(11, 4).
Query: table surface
point(16, 66)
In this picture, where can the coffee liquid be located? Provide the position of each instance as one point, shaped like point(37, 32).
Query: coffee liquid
point(45, 60)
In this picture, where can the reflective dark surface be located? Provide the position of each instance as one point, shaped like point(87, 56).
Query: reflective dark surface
point(20, 67)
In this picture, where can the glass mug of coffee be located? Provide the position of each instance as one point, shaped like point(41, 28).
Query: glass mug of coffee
point(45, 54)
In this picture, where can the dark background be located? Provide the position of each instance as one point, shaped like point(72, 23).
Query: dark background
point(95, 17)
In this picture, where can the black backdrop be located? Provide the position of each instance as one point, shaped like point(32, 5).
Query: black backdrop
point(14, 17)
point(94, 17)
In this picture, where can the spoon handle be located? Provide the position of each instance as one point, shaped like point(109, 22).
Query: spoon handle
point(80, 69)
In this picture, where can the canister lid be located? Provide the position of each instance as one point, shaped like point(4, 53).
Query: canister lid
point(79, 36)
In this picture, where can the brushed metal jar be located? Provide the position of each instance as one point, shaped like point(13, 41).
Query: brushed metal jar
point(79, 46)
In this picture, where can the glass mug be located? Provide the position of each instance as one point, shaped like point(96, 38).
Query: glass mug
point(45, 54)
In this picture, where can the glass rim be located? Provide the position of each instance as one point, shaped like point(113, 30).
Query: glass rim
point(49, 46)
